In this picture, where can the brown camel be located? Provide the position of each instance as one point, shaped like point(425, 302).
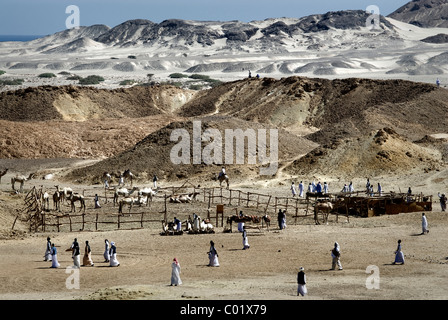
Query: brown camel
point(2, 173)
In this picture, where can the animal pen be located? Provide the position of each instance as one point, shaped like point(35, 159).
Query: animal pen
point(219, 206)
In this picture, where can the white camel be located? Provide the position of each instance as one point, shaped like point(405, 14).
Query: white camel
point(122, 192)
point(184, 198)
point(148, 193)
point(21, 179)
point(130, 201)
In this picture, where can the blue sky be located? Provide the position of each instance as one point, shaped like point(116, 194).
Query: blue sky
point(42, 17)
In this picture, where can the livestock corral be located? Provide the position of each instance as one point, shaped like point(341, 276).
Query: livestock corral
point(145, 207)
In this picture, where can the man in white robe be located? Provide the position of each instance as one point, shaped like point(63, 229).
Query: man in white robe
point(301, 282)
point(245, 240)
point(326, 190)
point(293, 189)
point(424, 224)
point(54, 256)
point(106, 251)
point(213, 256)
point(47, 256)
point(336, 257)
point(301, 189)
point(175, 273)
point(113, 255)
point(399, 255)
point(75, 254)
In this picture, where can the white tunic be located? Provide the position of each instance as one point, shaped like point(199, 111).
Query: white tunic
point(424, 224)
point(54, 261)
point(106, 252)
point(245, 241)
point(175, 274)
point(300, 189)
point(293, 190)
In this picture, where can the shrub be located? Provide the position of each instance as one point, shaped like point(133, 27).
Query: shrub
point(8, 82)
point(64, 73)
point(132, 57)
point(177, 76)
point(2, 72)
point(93, 79)
point(47, 75)
point(74, 77)
point(199, 76)
point(127, 82)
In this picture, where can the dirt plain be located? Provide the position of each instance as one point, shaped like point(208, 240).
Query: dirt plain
point(267, 271)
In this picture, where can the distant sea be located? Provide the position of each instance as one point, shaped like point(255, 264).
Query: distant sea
point(4, 38)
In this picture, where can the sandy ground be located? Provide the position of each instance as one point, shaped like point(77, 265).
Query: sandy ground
point(267, 271)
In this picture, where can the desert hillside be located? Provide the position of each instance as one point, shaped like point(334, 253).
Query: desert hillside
point(338, 126)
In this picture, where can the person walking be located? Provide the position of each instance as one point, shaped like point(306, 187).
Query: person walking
point(74, 248)
point(54, 257)
point(113, 255)
point(213, 256)
point(245, 240)
point(301, 282)
point(175, 273)
point(399, 255)
point(424, 224)
point(87, 259)
point(97, 202)
point(301, 189)
point(47, 255)
point(336, 257)
point(106, 251)
point(293, 189)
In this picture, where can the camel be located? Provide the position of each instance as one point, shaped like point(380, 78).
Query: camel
point(148, 193)
point(20, 179)
point(130, 201)
point(65, 193)
point(128, 175)
point(122, 192)
point(46, 201)
point(325, 207)
point(206, 226)
point(222, 177)
point(267, 219)
point(77, 197)
point(184, 198)
point(2, 173)
point(57, 201)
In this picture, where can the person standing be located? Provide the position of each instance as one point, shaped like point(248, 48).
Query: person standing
point(106, 251)
point(213, 256)
point(424, 224)
point(380, 189)
point(154, 182)
point(113, 255)
point(326, 188)
point(293, 189)
point(54, 257)
point(336, 257)
point(281, 217)
point(301, 189)
point(241, 222)
point(47, 256)
point(75, 253)
point(87, 259)
point(178, 224)
point(443, 201)
point(245, 240)
point(301, 282)
point(175, 273)
point(97, 202)
point(399, 255)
